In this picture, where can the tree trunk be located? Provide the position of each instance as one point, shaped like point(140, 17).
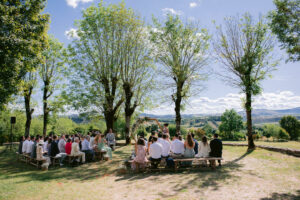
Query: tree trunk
point(177, 107)
point(45, 109)
point(109, 120)
point(127, 129)
point(29, 111)
point(251, 144)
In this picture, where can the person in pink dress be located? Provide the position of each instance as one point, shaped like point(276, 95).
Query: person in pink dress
point(141, 153)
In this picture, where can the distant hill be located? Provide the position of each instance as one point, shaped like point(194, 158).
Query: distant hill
point(266, 112)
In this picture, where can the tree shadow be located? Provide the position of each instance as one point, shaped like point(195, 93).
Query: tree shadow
point(200, 177)
point(283, 196)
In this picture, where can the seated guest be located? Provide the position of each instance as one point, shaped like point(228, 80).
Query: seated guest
point(21, 140)
point(103, 147)
point(166, 146)
point(189, 152)
point(110, 138)
point(62, 144)
point(196, 143)
point(49, 146)
point(40, 153)
point(76, 150)
point(68, 146)
point(155, 152)
point(204, 150)
point(35, 143)
point(216, 147)
point(160, 139)
point(25, 143)
point(90, 154)
point(150, 140)
point(177, 147)
point(140, 152)
point(45, 145)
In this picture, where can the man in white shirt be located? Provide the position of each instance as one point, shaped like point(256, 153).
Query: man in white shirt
point(177, 147)
point(155, 152)
point(166, 145)
point(62, 144)
point(25, 143)
point(29, 145)
point(160, 139)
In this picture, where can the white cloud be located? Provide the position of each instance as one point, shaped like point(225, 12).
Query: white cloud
point(193, 4)
point(74, 3)
point(171, 11)
point(71, 34)
point(205, 105)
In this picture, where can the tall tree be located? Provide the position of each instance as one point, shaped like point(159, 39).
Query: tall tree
point(99, 54)
point(29, 82)
point(285, 23)
point(181, 50)
point(136, 70)
point(291, 125)
point(51, 73)
point(22, 34)
point(244, 49)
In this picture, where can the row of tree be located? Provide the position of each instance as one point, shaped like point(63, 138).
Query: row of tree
point(231, 127)
point(110, 63)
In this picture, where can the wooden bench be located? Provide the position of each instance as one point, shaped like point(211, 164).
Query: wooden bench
point(70, 158)
point(99, 155)
point(177, 162)
point(54, 161)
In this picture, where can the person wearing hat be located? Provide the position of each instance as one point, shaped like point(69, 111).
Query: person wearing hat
point(40, 153)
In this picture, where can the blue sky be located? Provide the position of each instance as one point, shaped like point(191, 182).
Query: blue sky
point(281, 91)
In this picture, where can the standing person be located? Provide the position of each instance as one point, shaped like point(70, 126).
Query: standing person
point(216, 147)
point(177, 147)
point(21, 140)
point(92, 140)
point(140, 152)
point(189, 152)
point(155, 152)
point(62, 144)
point(29, 146)
point(110, 138)
point(76, 150)
point(45, 145)
point(166, 129)
point(196, 143)
point(103, 147)
point(25, 143)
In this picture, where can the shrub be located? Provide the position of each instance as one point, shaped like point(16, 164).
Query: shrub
point(172, 130)
point(283, 134)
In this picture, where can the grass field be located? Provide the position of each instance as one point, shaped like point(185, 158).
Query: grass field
point(289, 144)
point(259, 174)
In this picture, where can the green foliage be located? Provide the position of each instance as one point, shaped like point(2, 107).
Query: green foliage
point(119, 128)
point(231, 124)
point(152, 127)
point(291, 125)
point(283, 134)
point(172, 130)
point(208, 130)
point(22, 33)
point(275, 131)
point(285, 23)
point(199, 133)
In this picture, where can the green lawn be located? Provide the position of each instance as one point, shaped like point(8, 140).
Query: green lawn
point(289, 144)
point(259, 174)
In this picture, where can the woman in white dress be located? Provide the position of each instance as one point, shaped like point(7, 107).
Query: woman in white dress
point(203, 150)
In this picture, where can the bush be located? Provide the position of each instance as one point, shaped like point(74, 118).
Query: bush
point(283, 134)
point(234, 136)
point(199, 133)
point(172, 130)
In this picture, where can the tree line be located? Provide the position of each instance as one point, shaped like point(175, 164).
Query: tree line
point(116, 61)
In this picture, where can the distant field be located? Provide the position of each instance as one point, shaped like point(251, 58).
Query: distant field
point(289, 144)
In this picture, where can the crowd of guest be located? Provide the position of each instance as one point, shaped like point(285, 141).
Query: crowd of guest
point(160, 146)
point(78, 145)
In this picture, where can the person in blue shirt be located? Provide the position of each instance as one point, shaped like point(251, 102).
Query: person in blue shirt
point(196, 143)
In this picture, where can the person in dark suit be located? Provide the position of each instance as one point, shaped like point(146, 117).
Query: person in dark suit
point(54, 147)
point(216, 147)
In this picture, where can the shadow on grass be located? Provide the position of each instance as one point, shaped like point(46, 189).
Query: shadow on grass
point(11, 168)
point(283, 196)
point(202, 178)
